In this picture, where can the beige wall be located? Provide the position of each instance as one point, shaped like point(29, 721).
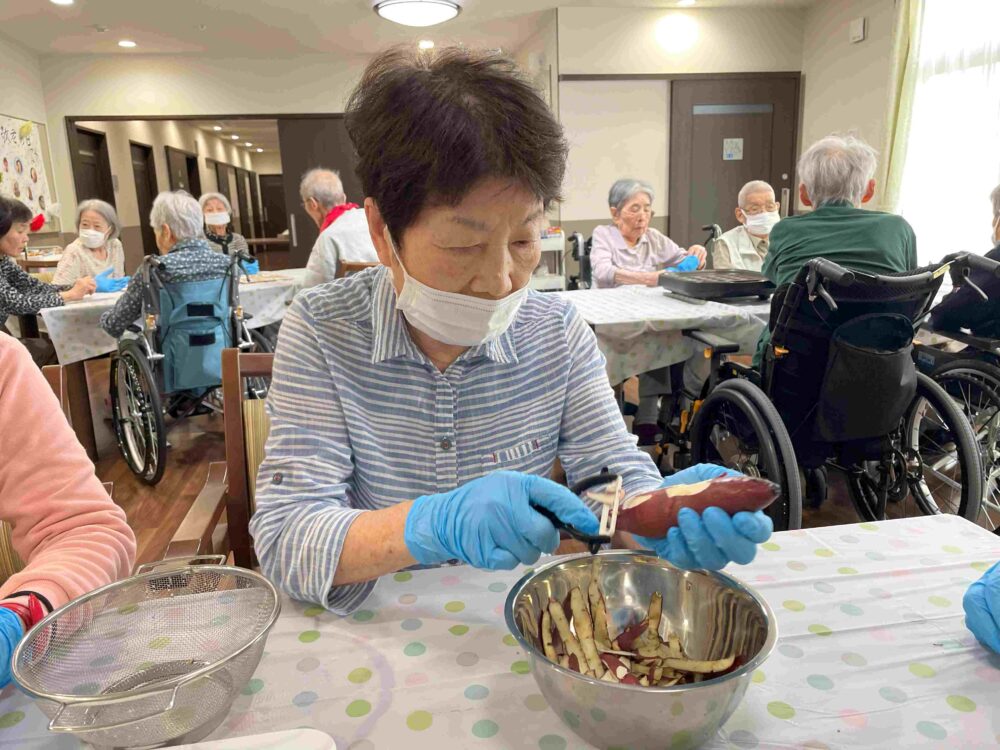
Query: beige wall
point(21, 82)
point(845, 86)
point(268, 162)
point(723, 40)
point(539, 57)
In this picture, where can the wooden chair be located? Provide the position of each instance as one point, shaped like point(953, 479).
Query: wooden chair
point(346, 267)
point(10, 561)
point(219, 520)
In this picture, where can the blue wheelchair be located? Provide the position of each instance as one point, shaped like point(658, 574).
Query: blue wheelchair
point(171, 364)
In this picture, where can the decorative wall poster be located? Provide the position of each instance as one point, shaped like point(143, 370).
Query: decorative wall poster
point(22, 170)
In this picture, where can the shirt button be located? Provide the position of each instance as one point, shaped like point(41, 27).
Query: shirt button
point(276, 479)
point(445, 444)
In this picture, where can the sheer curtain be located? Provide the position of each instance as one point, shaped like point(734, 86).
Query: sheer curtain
point(953, 152)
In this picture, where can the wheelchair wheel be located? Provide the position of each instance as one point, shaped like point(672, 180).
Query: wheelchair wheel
point(979, 400)
point(137, 414)
point(984, 371)
point(257, 388)
point(944, 470)
point(738, 427)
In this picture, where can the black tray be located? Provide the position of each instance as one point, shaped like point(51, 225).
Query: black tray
point(723, 283)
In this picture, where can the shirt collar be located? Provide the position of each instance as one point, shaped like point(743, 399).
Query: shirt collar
point(621, 242)
point(192, 243)
point(335, 213)
point(391, 338)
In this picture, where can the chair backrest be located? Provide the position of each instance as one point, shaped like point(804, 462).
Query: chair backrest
point(246, 428)
point(830, 362)
point(347, 267)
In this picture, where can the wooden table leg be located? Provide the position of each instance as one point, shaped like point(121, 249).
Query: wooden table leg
point(80, 415)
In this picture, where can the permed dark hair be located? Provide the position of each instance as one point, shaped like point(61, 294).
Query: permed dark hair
point(428, 125)
point(12, 212)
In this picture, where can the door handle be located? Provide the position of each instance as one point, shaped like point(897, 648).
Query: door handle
point(291, 227)
point(785, 197)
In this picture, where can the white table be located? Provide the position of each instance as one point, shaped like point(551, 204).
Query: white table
point(872, 653)
point(639, 328)
point(77, 335)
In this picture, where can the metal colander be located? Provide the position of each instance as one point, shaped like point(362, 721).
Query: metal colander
point(153, 660)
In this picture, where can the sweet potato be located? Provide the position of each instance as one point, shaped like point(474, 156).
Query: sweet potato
point(569, 640)
point(585, 631)
point(652, 514)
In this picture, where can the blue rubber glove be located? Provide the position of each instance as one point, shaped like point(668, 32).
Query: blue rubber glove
point(252, 267)
point(714, 539)
point(11, 633)
point(690, 263)
point(107, 284)
point(488, 523)
point(982, 608)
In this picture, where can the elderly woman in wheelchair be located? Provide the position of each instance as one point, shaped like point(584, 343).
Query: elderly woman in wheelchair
point(186, 302)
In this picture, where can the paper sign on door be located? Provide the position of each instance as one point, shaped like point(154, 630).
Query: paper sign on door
point(732, 149)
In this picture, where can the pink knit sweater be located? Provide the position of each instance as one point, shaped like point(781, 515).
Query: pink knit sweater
point(65, 527)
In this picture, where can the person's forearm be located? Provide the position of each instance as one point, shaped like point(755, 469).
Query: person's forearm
point(642, 278)
point(374, 546)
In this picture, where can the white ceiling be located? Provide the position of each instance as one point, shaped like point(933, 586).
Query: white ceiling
point(261, 133)
point(255, 28)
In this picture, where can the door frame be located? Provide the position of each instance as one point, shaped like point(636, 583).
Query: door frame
point(72, 130)
point(187, 155)
point(155, 186)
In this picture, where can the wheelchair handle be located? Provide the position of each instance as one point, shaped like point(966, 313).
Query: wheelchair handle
point(982, 264)
point(832, 271)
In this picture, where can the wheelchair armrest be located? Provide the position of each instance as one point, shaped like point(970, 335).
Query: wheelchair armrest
point(716, 343)
point(133, 328)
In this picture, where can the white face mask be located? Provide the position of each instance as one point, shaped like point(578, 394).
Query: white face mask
point(763, 222)
point(92, 239)
point(219, 219)
point(451, 318)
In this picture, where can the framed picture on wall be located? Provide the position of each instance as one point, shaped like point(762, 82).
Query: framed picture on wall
point(24, 166)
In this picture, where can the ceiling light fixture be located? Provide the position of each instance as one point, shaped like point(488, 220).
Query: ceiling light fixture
point(216, 128)
point(235, 137)
point(248, 144)
point(126, 43)
point(685, 3)
point(417, 12)
point(426, 44)
point(61, 2)
point(260, 151)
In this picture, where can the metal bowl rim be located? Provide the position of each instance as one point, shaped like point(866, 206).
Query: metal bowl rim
point(167, 685)
point(749, 667)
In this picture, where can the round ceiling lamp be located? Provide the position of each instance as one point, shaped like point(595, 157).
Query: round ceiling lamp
point(417, 12)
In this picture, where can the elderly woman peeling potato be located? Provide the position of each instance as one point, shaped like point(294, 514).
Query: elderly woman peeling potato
point(418, 407)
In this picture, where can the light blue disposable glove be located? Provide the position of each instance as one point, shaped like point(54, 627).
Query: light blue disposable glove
point(690, 263)
point(11, 632)
point(252, 267)
point(107, 284)
point(982, 608)
point(714, 539)
point(488, 523)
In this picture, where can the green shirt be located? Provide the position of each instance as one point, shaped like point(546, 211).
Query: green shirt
point(869, 241)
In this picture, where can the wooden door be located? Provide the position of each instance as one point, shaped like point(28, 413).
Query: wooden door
point(725, 132)
point(91, 165)
point(183, 168)
point(255, 207)
point(272, 200)
point(242, 199)
point(144, 173)
point(306, 143)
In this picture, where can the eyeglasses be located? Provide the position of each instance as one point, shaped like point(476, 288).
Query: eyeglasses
point(635, 210)
point(754, 210)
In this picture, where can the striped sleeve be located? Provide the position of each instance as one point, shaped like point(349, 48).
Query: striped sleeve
point(593, 435)
point(303, 509)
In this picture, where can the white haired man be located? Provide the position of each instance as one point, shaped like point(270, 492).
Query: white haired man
point(837, 178)
point(745, 246)
point(343, 228)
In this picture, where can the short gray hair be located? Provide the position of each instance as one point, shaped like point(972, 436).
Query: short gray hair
point(754, 186)
point(624, 189)
point(179, 211)
point(324, 186)
point(106, 212)
point(206, 197)
point(837, 168)
point(995, 197)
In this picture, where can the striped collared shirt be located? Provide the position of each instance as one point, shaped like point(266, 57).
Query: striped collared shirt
point(362, 420)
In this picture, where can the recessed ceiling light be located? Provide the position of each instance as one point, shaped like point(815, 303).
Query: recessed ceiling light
point(685, 3)
point(426, 44)
point(235, 137)
point(417, 12)
point(260, 151)
point(61, 2)
point(216, 128)
point(127, 43)
point(248, 144)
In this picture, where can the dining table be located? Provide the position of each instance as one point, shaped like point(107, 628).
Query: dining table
point(872, 652)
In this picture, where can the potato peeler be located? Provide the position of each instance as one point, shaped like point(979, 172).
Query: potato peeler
point(609, 495)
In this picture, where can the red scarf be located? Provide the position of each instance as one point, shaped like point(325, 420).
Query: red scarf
point(336, 212)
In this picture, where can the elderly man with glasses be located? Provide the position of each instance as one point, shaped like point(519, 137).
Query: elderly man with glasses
point(745, 246)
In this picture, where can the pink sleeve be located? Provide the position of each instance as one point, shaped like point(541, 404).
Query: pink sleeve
point(601, 265)
point(668, 253)
point(71, 535)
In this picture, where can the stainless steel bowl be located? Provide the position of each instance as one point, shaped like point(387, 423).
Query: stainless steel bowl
point(713, 614)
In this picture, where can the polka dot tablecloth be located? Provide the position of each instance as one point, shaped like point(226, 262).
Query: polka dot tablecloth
point(76, 332)
point(639, 328)
point(873, 653)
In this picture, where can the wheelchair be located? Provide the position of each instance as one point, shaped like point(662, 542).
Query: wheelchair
point(972, 378)
point(838, 388)
point(172, 363)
